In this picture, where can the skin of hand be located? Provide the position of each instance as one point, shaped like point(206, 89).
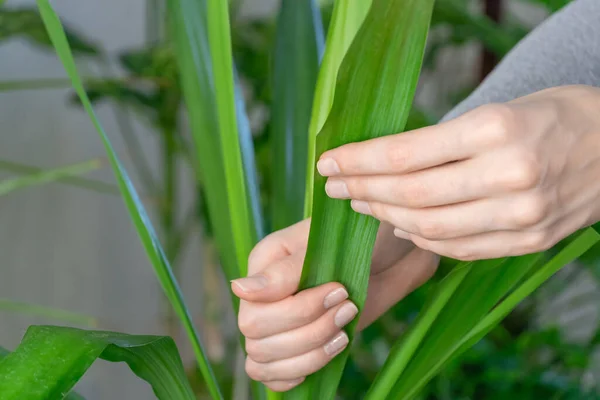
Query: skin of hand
point(502, 180)
point(290, 335)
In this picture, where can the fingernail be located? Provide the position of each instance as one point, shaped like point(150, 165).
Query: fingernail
point(252, 283)
point(345, 315)
point(361, 207)
point(335, 297)
point(337, 344)
point(328, 167)
point(337, 189)
point(401, 234)
point(295, 382)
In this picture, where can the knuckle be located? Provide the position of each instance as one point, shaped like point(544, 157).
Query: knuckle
point(256, 351)
point(398, 157)
point(537, 241)
point(430, 229)
point(531, 211)
point(415, 194)
point(247, 323)
point(499, 123)
point(379, 211)
point(525, 172)
point(255, 370)
point(357, 188)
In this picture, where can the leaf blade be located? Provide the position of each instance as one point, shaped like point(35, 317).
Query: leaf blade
point(298, 49)
point(50, 360)
point(134, 206)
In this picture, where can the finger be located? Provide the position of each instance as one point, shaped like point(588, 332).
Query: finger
point(527, 210)
point(304, 339)
point(459, 139)
point(407, 275)
point(299, 366)
point(260, 320)
point(278, 245)
point(284, 386)
point(275, 282)
point(490, 245)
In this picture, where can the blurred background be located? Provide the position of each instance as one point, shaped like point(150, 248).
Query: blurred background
point(70, 245)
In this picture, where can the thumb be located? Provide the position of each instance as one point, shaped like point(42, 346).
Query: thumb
point(275, 282)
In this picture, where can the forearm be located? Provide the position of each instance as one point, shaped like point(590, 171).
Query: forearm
point(564, 50)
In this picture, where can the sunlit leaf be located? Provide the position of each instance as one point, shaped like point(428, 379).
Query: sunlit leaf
point(373, 96)
point(348, 16)
point(135, 207)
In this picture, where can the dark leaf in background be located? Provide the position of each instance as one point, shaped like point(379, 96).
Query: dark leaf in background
point(26, 22)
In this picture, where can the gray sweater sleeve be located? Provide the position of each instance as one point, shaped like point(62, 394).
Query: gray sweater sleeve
point(564, 50)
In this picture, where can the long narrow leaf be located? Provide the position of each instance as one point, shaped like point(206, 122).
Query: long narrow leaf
point(50, 360)
point(219, 38)
point(373, 96)
point(194, 62)
point(20, 307)
point(298, 48)
point(135, 207)
point(46, 176)
point(348, 16)
point(583, 242)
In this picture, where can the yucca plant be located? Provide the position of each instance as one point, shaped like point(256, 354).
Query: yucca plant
point(363, 89)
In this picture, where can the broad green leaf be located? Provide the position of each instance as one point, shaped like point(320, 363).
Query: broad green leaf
point(50, 360)
point(409, 386)
point(219, 38)
point(348, 16)
point(46, 176)
point(195, 67)
point(375, 87)
point(20, 307)
point(298, 47)
point(135, 207)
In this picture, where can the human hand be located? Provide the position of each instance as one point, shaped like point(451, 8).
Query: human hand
point(290, 335)
point(501, 180)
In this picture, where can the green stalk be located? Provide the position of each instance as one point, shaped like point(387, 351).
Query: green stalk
point(348, 16)
point(298, 48)
point(373, 96)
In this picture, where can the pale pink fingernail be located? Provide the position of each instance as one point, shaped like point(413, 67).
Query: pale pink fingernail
point(345, 314)
point(335, 297)
point(337, 189)
point(361, 207)
point(328, 167)
point(252, 283)
point(337, 344)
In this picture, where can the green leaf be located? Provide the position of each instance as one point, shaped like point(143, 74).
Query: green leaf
point(347, 18)
point(46, 176)
point(298, 47)
point(26, 22)
point(3, 352)
point(472, 323)
point(219, 38)
point(50, 360)
point(196, 70)
point(375, 87)
point(135, 207)
point(20, 307)
point(84, 183)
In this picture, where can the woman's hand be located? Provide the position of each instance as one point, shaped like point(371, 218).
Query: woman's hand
point(502, 180)
point(290, 335)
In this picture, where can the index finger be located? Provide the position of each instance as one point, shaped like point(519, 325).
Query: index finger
point(403, 153)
